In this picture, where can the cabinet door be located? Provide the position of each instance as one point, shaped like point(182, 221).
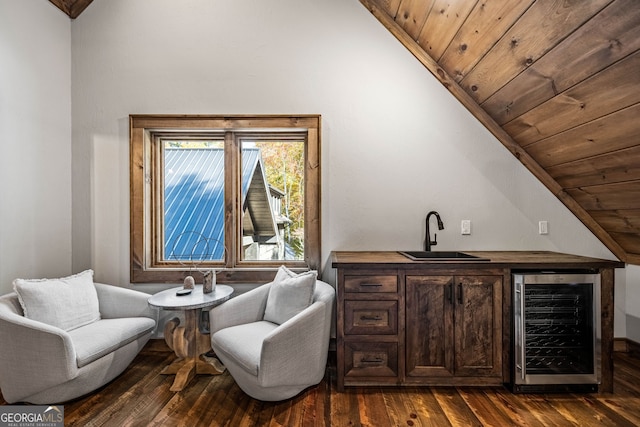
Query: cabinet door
point(429, 326)
point(478, 325)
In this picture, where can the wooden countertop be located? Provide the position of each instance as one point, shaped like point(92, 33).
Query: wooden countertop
point(497, 259)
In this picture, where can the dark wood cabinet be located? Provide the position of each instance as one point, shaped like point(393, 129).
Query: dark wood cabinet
point(370, 320)
point(455, 333)
point(406, 322)
point(397, 326)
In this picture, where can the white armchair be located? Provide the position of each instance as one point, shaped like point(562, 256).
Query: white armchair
point(45, 364)
point(271, 361)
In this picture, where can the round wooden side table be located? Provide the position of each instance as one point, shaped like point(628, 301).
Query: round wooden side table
point(188, 343)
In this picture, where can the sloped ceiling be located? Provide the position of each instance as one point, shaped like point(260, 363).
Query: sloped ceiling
point(556, 81)
point(73, 8)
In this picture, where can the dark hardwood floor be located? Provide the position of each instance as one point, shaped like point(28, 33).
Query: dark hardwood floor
point(141, 397)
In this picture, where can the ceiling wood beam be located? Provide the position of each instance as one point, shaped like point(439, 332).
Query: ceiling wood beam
point(73, 8)
point(456, 90)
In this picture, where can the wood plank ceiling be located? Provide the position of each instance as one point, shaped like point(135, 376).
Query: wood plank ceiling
point(73, 8)
point(556, 81)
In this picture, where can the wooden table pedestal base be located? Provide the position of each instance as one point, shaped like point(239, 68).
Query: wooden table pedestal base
point(190, 345)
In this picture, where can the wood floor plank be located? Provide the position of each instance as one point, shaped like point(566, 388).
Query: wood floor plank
point(454, 407)
point(542, 410)
point(176, 411)
point(606, 413)
point(283, 413)
point(141, 397)
point(310, 408)
point(204, 411)
point(573, 408)
point(487, 412)
point(207, 406)
point(316, 405)
point(513, 407)
point(251, 415)
point(234, 404)
point(396, 412)
point(400, 408)
point(632, 364)
point(344, 407)
point(373, 408)
point(627, 406)
point(427, 408)
point(629, 386)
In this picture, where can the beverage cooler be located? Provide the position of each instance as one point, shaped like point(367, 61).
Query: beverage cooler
point(556, 332)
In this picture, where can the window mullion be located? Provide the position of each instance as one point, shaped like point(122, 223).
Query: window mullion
point(231, 200)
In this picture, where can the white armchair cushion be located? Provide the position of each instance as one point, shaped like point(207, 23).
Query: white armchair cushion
point(251, 336)
point(107, 335)
point(290, 293)
point(66, 303)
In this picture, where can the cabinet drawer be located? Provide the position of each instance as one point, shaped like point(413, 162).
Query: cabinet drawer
point(381, 283)
point(370, 317)
point(371, 359)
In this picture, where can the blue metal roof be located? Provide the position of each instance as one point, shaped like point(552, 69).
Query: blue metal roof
point(194, 201)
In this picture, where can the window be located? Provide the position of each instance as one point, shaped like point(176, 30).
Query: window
point(237, 194)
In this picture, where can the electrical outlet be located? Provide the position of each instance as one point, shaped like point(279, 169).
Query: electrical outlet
point(465, 226)
point(543, 227)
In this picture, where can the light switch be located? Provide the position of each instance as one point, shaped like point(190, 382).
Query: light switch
point(543, 227)
point(465, 226)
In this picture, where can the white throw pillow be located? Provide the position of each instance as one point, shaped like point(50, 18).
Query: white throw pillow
point(67, 303)
point(290, 293)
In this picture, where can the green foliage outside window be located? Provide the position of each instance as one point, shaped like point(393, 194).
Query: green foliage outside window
point(284, 164)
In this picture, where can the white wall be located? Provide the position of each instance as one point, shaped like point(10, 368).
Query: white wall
point(35, 140)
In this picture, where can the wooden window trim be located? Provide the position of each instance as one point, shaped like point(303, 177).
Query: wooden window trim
point(142, 223)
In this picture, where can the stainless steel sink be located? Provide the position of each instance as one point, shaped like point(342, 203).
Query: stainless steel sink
point(440, 256)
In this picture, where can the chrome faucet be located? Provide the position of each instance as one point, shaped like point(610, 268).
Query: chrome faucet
point(427, 241)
